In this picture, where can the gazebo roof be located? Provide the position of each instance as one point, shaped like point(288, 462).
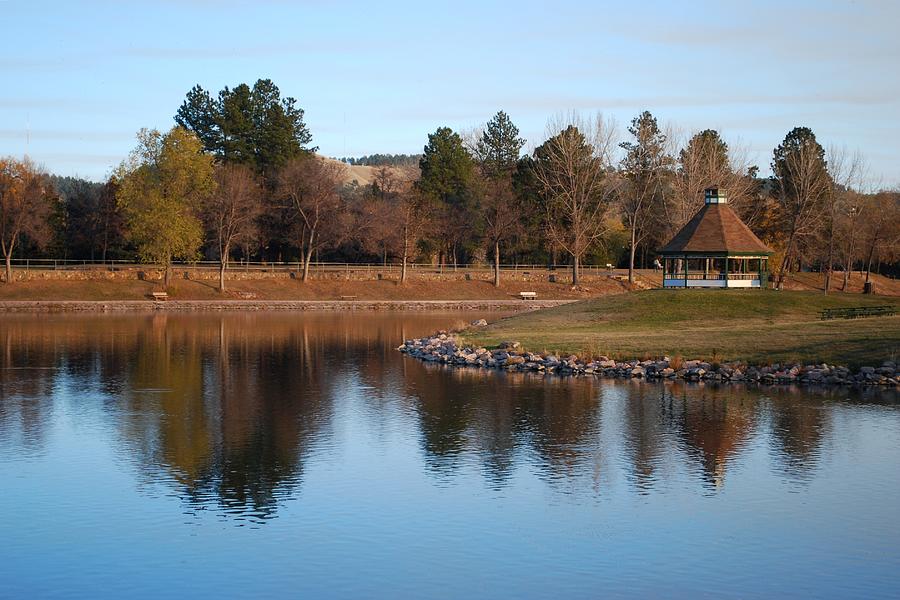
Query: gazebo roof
point(715, 229)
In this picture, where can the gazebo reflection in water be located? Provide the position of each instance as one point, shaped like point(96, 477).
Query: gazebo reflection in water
point(715, 249)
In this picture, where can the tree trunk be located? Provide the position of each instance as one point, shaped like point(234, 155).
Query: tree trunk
point(848, 264)
point(105, 237)
point(223, 265)
point(830, 266)
point(496, 263)
point(9, 267)
point(869, 259)
point(574, 270)
point(166, 274)
point(786, 261)
point(631, 257)
point(403, 259)
point(308, 258)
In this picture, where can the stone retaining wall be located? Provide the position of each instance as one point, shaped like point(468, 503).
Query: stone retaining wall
point(268, 305)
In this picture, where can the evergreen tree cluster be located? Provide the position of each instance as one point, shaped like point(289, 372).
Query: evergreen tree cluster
point(383, 160)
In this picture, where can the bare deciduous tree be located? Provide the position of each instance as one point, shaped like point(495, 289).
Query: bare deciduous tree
point(573, 169)
point(707, 161)
point(25, 206)
point(310, 185)
point(881, 227)
point(377, 214)
point(847, 174)
point(413, 212)
point(501, 216)
point(231, 212)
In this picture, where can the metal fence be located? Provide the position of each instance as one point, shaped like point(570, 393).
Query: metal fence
point(316, 267)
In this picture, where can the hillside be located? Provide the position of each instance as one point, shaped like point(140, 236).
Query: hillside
point(361, 174)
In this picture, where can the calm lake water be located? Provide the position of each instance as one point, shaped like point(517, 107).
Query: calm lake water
point(254, 455)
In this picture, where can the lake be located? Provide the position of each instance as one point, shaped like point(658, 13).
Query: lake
point(299, 454)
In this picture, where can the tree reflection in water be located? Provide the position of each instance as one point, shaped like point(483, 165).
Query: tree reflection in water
point(224, 410)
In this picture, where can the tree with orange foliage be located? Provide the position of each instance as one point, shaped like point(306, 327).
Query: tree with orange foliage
point(26, 203)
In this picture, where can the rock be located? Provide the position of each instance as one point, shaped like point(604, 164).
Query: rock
point(444, 348)
point(479, 323)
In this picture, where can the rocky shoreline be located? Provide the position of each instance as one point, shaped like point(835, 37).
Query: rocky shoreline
point(444, 348)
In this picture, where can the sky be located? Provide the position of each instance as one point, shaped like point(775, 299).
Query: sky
point(79, 79)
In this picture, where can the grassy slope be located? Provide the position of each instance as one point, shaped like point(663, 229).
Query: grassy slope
point(757, 327)
point(332, 289)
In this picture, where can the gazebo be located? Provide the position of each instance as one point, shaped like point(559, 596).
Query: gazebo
point(715, 249)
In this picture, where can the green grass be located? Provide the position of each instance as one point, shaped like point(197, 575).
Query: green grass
point(753, 326)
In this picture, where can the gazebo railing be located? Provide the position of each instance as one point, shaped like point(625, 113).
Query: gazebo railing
point(692, 276)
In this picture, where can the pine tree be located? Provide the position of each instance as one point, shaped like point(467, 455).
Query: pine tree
point(646, 169)
point(251, 126)
point(799, 167)
point(499, 146)
point(447, 172)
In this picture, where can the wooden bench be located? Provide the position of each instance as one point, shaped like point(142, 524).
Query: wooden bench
point(348, 297)
point(160, 296)
point(527, 295)
point(858, 312)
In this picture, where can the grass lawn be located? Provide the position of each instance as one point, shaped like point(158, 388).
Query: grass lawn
point(757, 327)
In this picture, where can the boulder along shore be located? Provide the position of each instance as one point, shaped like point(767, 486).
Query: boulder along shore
point(444, 348)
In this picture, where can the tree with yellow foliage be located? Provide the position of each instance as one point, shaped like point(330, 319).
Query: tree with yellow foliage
point(162, 186)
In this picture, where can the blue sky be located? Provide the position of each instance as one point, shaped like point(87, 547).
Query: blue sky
point(83, 77)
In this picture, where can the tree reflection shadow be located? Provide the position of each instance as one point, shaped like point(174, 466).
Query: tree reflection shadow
point(227, 409)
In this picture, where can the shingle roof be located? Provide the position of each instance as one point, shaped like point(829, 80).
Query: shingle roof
point(715, 229)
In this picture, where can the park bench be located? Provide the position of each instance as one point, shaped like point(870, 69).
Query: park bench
point(858, 312)
point(160, 296)
point(348, 297)
point(527, 295)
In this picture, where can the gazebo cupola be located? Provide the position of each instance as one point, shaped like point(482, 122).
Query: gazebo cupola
point(715, 249)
